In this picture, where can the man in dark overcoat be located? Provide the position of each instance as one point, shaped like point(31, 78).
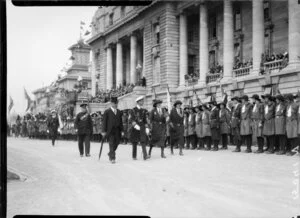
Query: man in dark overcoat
point(158, 127)
point(176, 127)
point(224, 116)
point(291, 124)
point(140, 128)
point(280, 125)
point(84, 127)
point(53, 124)
point(257, 116)
point(235, 123)
point(112, 127)
point(215, 125)
point(246, 131)
point(269, 122)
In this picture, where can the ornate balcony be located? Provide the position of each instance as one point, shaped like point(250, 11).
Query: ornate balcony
point(242, 71)
point(212, 77)
point(273, 66)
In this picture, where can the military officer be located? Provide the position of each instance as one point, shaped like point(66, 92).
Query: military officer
point(176, 127)
point(140, 129)
point(269, 122)
point(84, 127)
point(215, 125)
point(291, 124)
point(235, 123)
point(158, 127)
point(280, 125)
point(246, 132)
point(224, 116)
point(257, 115)
point(53, 124)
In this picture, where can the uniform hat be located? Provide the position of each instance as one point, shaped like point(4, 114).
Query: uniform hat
point(245, 97)
point(205, 106)
point(235, 98)
point(256, 97)
point(290, 97)
point(83, 105)
point(139, 98)
point(114, 100)
point(156, 101)
point(279, 97)
point(177, 102)
point(267, 96)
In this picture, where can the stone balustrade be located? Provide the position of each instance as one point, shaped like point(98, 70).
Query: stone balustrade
point(244, 71)
point(212, 77)
point(273, 66)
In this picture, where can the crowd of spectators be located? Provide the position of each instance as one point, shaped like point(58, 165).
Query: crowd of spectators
point(238, 64)
point(217, 69)
point(266, 58)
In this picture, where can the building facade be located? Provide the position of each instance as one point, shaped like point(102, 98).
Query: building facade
point(194, 46)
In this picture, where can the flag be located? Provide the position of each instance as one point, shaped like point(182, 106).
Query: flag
point(29, 101)
point(11, 104)
point(169, 105)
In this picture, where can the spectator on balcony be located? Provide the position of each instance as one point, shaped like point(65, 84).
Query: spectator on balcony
point(285, 60)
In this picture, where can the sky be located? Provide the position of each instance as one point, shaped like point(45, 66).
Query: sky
point(38, 39)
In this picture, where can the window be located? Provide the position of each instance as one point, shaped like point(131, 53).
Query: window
point(156, 33)
point(191, 64)
point(212, 59)
point(190, 36)
point(111, 19)
point(266, 10)
point(237, 19)
point(212, 26)
point(122, 11)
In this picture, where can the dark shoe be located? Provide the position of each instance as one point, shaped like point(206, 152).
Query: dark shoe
point(113, 161)
point(163, 156)
point(88, 155)
point(269, 152)
point(280, 153)
point(172, 152)
point(81, 155)
point(248, 151)
point(180, 153)
point(259, 151)
point(134, 158)
point(215, 149)
point(223, 148)
point(187, 148)
point(290, 153)
point(237, 150)
point(207, 149)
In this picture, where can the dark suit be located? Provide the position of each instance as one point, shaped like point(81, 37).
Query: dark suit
point(112, 126)
point(176, 128)
point(52, 124)
point(235, 125)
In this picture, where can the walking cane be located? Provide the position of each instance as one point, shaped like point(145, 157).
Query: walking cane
point(102, 141)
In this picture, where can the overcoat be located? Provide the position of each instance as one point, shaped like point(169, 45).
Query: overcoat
point(125, 125)
point(257, 117)
point(206, 130)
point(198, 127)
point(235, 122)
point(269, 119)
point(24, 128)
point(191, 124)
point(83, 123)
point(176, 127)
point(224, 116)
point(185, 126)
point(246, 119)
point(158, 127)
point(52, 124)
point(215, 124)
point(280, 119)
point(30, 127)
point(292, 120)
point(138, 116)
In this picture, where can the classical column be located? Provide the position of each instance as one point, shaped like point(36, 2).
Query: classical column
point(258, 33)
point(183, 49)
point(92, 71)
point(203, 44)
point(294, 32)
point(133, 46)
point(109, 68)
point(119, 67)
point(228, 54)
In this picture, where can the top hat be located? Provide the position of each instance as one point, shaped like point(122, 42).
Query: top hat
point(156, 101)
point(114, 100)
point(177, 102)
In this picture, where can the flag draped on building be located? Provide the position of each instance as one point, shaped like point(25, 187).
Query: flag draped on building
point(169, 105)
point(29, 101)
point(11, 104)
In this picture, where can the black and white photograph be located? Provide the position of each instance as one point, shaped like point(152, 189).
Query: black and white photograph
point(183, 108)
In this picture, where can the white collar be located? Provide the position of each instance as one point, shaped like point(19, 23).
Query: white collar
point(114, 110)
point(138, 106)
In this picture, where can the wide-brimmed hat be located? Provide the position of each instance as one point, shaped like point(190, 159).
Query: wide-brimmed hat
point(83, 105)
point(255, 97)
point(114, 100)
point(290, 97)
point(156, 102)
point(177, 102)
point(266, 96)
point(139, 99)
point(235, 98)
point(279, 97)
point(245, 97)
point(205, 106)
point(222, 103)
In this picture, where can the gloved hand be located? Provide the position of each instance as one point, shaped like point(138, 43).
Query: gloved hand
point(76, 130)
point(104, 134)
point(47, 130)
point(147, 131)
point(137, 127)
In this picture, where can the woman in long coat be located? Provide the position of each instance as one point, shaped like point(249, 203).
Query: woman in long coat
point(191, 138)
point(206, 130)
point(198, 127)
point(157, 121)
point(185, 126)
point(224, 116)
point(291, 124)
point(280, 125)
point(53, 125)
point(246, 131)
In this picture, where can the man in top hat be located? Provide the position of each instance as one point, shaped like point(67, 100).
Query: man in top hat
point(246, 132)
point(112, 127)
point(176, 127)
point(235, 123)
point(191, 138)
point(140, 129)
point(158, 127)
point(269, 122)
point(84, 127)
point(291, 124)
point(280, 125)
point(53, 124)
point(215, 125)
point(257, 115)
point(224, 116)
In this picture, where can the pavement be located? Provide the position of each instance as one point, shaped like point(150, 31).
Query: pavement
point(57, 181)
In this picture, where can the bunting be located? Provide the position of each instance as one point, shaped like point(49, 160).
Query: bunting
point(11, 104)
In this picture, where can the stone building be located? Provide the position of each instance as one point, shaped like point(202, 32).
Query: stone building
point(178, 43)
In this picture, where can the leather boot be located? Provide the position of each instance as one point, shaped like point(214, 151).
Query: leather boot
point(180, 152)
point(162, 153)
point(237, 149)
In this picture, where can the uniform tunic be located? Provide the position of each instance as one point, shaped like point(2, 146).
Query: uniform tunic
point(138, 116)
point(158, 127)
point(269, 119)
point(53, 124)
point(235, 122)
point(83, 123)
point(198, 127)
point(280, 120)
point(191, 124)
point(206, 130)
point(246, 119)
point(176, 126)
point(224, 121)
point(291, 120)
point(215, 124)
point(257, 116)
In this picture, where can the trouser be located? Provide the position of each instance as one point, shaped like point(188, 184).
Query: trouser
point(291, 143)
point(191, 139)
point(114, 141)
point(280, 143)
point(247, 140)
point(167, 141)
point(134, 149)
point(215, 143)
point(207, 141)
point(260, 143)
point(270, 142)
point(53, 138)
point(200, 142)
point(224, 140)
point(176, 142)
point(86, 139)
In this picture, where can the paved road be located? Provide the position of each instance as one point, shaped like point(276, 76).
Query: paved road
point(199, 184)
